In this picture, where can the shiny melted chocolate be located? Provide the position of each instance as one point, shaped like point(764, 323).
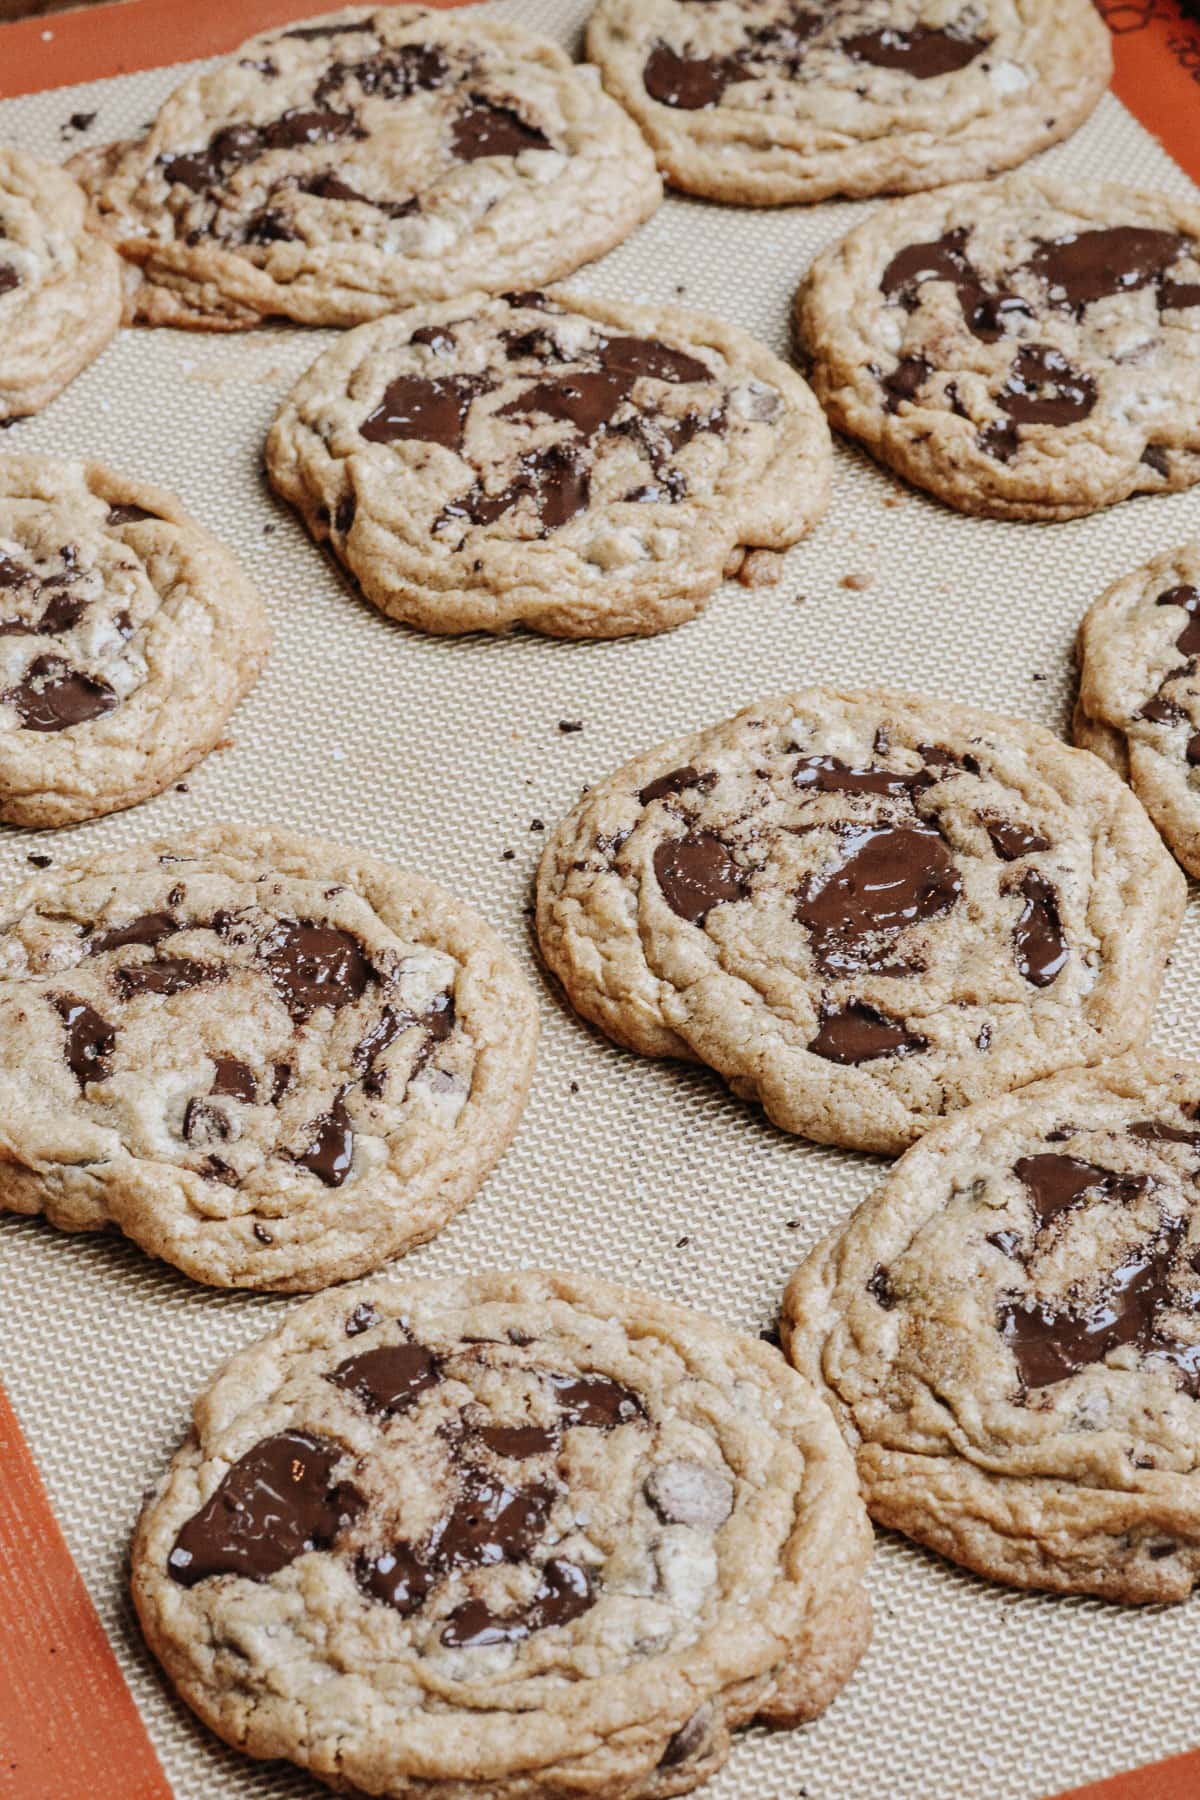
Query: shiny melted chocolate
point(276, 1502)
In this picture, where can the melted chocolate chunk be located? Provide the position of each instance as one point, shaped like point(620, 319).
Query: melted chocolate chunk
point(924, 51)
point(485, 129)
point(986, 313)
point(361, 1319)
point(595, 1400)
point(61, 612)
point(234, 1080)
point(586, 400)
point(1189, 599)
point(1058, 1184)
point(389, 74)
point(689, 82)
point(234, 145)
point(905, 381)
point(1043, 389)
point(397, 1577)
point(275, 1503)
point(9, 279)
point(14, 574)
point(169, 975)
point(1051, 1344)
point(1090, 265)
point(432, 411)
point(331, 1152)
point(1154, 1131)
point(90, 1040)
point(683, 1744)
point(52, 696)
point(388, 1380)
point(633, 357)
point(150, 929)
point(890, 878)
point(314, 965)
point(697, 873)
point(391, 1022)
point(564, 1592)
point(677, 781)
point(858, 1033)
point(1193, 749)
point(879, 1286)
point(1041, 949)
point(557, 480)
point(1178, 296)
point(827, 775)
point(202, 1123)
point(281, 1083)
point(1010, 840)
point(518, 1441)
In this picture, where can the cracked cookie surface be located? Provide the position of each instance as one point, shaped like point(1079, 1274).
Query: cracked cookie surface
point(269, 1061)
point(584, 468)
point(864, 910)
point(127, 637)
point(334, 170)
point(766, 101)
point(1009, 1334)
point(60, 284)
point(1139, 692)
point(506, 1535)
point(1024, 349)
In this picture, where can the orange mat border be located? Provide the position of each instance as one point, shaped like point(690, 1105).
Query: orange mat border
point(91, 1744)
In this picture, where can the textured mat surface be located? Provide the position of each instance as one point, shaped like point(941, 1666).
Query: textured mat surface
point(442, 755)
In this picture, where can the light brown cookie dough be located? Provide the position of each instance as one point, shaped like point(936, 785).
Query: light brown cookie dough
point(1139, 691)
point(584, 468)
point(515, 1536)
point(865, 910)
point(368, 159)
point(1008, 1333)
point(60, 284)
point(271, 1062)
point(765, 101)
point(127, 636)
point(1026, 349)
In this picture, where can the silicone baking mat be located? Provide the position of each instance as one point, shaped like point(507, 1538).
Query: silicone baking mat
point(443, 755)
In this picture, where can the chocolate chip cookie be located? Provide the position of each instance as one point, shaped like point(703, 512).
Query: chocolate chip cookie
point(1024, 349)
point(1139, 691)
point(127, 637)
point(583, 468)
point(60, 284)
point(864, 910)
point(368, 159)
point(763, 101)
point(273, 1063)
point(1009, 1334)
point(514, 1535)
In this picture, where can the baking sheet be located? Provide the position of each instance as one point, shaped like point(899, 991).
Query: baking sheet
point(442, 754)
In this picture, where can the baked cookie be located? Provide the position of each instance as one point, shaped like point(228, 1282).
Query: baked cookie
point(1024, 349)
point(271, 1062)
point(127, 637)
point(1009, 1333)
point(764, 101)
point(60, 284)
point(515, 1535)
point(1139, 691)
point(583, 468)
point(864, 910)
point(368, 159)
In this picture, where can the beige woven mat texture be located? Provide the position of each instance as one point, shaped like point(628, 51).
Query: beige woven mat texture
point(442, 754)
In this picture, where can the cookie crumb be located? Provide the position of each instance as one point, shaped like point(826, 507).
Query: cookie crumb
point(760, 568)
point(78, 121)
point(574, 1087)
point(39, 859)
point(770, 1335)
point(181, 787)
point(682, 1243)
point(859, 582)
point(567, 726)
point(537, 825)
point(507, 855)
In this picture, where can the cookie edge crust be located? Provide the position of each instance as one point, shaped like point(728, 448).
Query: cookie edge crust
point(505, 1027)
point(993, 1525)
point(633, 1018)
point(783, 508)
point(823, 1636)
point(900, 163)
